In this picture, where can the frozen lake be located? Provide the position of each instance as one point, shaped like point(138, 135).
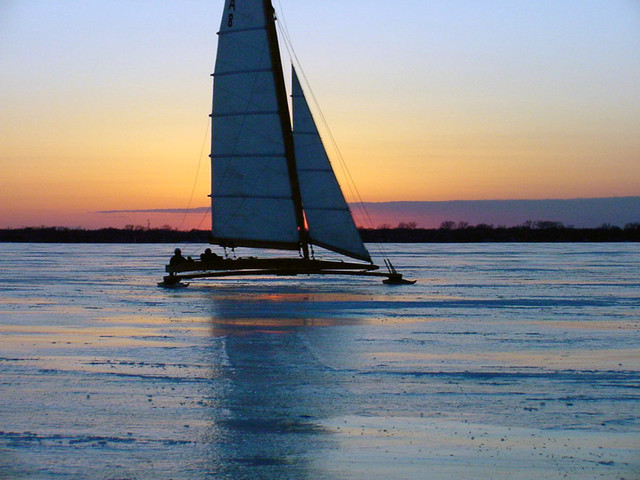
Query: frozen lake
point(504, 361)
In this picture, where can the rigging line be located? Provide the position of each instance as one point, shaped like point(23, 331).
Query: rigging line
point(281, 24)
point(186, 245)
point(352, 186)
point(355, 193)
point(350, 182)
point(206, 213)
point(281, 19)
point(195, 181)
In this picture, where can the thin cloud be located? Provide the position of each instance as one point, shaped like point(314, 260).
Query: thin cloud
point(159, 210)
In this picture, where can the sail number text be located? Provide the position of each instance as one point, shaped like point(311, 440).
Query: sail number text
point(232, 8)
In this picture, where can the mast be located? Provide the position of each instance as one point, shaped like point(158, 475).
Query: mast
point(283, 107)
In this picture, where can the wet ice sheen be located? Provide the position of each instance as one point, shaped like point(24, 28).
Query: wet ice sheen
point(504, 361)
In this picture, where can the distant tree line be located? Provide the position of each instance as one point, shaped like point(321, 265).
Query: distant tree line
point(529, 231)
point(405, 232)
point(129, 234)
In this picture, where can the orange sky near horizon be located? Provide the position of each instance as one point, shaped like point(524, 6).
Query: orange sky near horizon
point(451, 102)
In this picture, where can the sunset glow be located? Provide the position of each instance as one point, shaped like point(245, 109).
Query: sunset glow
point(105, 105)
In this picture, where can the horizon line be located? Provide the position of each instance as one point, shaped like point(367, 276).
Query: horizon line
point(205, 209)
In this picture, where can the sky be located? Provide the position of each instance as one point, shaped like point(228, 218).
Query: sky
point(104, 105)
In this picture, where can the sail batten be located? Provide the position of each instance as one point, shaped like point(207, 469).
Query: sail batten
point(244, 112)
point(272, 197)
point(248, 155)
point(235, 72)
point(328, 208)
point(241, 30)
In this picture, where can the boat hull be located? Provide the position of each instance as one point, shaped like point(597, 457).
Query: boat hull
point(294, 265)
point(266, 266)
point(251, 266)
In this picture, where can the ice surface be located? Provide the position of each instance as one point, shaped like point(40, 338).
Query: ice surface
point(503, 361)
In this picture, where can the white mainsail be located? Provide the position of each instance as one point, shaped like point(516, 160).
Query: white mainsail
point(328, 217)
point(271, 186)
point(252, 201)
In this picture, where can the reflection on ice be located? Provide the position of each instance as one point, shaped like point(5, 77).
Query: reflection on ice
point(506, 361)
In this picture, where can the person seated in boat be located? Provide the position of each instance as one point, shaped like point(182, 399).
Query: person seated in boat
point(177, 258)
point(209, 257)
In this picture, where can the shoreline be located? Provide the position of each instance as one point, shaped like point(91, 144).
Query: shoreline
point(542, 232)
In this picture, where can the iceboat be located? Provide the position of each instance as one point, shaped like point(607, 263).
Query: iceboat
point(272, 183)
